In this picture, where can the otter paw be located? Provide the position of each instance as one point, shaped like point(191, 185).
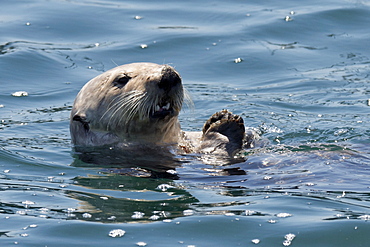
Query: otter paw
point(227, 124)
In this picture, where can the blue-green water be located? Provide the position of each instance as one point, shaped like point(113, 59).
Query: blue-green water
point(302, 81)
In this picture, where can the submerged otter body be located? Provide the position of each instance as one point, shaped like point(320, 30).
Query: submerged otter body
point(139, 103)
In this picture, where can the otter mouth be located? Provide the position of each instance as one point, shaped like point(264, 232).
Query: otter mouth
point(161, 111)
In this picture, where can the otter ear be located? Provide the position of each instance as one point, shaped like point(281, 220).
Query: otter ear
point(121, 80)
point(83, 120)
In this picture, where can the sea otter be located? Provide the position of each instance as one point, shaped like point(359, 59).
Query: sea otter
point(139, 104)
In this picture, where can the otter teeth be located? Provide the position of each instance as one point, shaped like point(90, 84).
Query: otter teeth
point(161, 108)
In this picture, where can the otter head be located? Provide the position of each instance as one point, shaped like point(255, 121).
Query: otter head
point(133, 102)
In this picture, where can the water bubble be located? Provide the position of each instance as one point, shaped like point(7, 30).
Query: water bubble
point(44, 210)
point(249, 212)
point(27, 203)
point(116, 233)
point(274, 129)
point(364, 217)
point(256, 241)
point(111, 217)
point(20, 94)
point(86, 215)
point(343, 195)
point(287, 243)
point(290, 236)
point(340, 132)
point(238, 60)
point(137, 215)
point(229, 214)
point(164, 187)
point(288, 239)
point(173, 172)
point(188, 212)
point(288, 18)
point(283, 215)
point(154, 217)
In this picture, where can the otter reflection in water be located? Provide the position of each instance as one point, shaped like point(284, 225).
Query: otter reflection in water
point(133, 109)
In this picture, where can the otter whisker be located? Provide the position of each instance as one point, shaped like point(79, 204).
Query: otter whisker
point(146, 109)
point(136, 108)
point(112, 105)
point(127, 100)
point(187, 99)
point(114, 109)
point(132, 104)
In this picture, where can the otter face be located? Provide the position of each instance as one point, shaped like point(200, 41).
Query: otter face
point(153, 93)
point(133, 100)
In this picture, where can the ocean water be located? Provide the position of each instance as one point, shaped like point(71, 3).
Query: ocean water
point(296, 71)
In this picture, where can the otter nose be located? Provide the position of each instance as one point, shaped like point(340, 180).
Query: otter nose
point(170, 78)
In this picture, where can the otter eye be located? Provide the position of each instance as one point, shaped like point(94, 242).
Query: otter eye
point(121, 81)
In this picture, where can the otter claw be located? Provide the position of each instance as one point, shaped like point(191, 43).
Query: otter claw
point(228, 125)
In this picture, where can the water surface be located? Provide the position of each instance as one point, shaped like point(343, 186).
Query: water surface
point(298, 73)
